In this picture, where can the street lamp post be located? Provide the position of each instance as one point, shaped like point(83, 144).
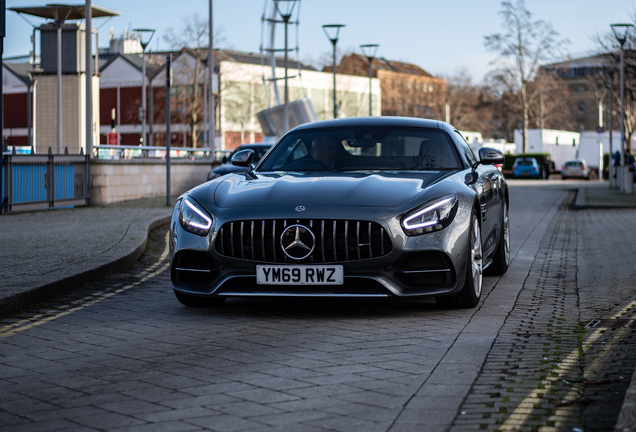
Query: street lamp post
point(620, 32)
point(285, 15)
point(332, 31)
point(149, 33)
point(369, 51)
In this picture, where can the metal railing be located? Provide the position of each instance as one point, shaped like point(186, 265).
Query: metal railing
point(38, 182)
point(103, 151)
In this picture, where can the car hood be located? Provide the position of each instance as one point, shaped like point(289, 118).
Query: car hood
point(384, 189)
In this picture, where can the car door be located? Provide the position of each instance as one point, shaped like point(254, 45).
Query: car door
point(486, 187)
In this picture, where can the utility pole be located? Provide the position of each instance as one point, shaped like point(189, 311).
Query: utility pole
point(211, 133)
point(168, 137)
point(88, 14)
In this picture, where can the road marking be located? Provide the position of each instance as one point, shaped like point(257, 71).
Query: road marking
point(150, 272)
point(519, 416)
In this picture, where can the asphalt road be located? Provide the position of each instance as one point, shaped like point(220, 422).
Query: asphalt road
point(125, 355)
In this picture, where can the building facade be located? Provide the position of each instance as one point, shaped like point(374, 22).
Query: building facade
point(406, 89)
point(242, 87)
point(587, 79)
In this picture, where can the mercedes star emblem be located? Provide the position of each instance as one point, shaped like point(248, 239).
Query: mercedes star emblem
point(300, 208)
point(297, 241)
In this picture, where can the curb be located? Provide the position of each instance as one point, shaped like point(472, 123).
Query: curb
point(580, 203)
point(627, 417)
point(42, 293)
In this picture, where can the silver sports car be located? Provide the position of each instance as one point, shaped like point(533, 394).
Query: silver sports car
point(360, 207)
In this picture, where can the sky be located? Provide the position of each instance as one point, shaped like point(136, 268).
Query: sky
point(442, 37)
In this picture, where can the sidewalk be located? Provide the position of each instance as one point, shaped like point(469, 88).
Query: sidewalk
point(48, 252)
point(599, 195)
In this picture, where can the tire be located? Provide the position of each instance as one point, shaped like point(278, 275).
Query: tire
point(501, 259)
point(196, 301)
point(470, 294)
point(563, 178)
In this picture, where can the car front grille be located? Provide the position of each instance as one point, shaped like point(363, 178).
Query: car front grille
point(335, 240)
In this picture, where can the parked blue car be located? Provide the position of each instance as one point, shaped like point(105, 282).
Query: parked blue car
point(525, 167)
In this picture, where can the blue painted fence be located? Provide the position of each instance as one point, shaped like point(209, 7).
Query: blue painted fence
point(33, 182)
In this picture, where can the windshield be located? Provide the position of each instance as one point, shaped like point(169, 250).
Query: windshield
point(363, 148)
point(525, 162)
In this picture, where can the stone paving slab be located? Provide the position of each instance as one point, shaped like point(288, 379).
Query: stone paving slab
point(48, 252)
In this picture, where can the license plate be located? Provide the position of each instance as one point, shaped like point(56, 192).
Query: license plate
point(299, 275)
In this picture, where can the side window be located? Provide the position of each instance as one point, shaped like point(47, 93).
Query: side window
point(465, 148)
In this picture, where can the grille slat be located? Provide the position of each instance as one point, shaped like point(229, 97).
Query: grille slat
point(274, 240)
point(242, 242)
point(358, 238)
point(335, 247)
point(322, 240)
point(232, 236)
point(334, 240)
point(222, 243)
point(346, 236)
point(252, 238)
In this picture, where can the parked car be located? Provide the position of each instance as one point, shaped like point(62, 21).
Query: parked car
point(226, 167)
point(525, 167)
point(575, 168)
point(361, 207)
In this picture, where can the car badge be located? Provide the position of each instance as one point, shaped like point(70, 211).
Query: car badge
point(297, 241)
point(300, 209)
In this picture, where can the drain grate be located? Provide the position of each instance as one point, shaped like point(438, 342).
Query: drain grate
point(612, 324)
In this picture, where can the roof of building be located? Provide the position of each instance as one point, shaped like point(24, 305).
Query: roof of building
point(155, 61)
point(384, 64)
point(253, 58)
point(20, 70)
point(597, 60)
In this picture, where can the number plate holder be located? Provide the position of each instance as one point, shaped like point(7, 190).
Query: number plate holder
point(299, 275)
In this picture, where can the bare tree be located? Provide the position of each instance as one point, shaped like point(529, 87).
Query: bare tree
point(549, 108)
point(522, 47)
point(194, 35)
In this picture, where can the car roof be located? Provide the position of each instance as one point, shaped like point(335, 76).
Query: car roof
point(255, 145)
point(372, 121)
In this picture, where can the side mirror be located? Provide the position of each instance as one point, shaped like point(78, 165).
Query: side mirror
point(243, 159)
point(490, 156)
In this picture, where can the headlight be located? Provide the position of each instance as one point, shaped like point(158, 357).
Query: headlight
point(194, 218)
point(432, 216)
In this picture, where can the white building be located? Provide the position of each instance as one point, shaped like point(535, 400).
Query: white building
point(561, 145)
point(243, 93)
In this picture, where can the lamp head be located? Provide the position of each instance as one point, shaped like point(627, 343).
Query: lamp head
point(369, 50)
point(285, 8)
point(145, 35)
point(621, 31)
point(332, 31)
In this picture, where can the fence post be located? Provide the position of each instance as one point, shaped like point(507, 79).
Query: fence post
point(50, 180)
point(87, 179)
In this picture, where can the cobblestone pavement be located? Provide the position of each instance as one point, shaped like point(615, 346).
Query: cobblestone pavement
point(564, 358)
